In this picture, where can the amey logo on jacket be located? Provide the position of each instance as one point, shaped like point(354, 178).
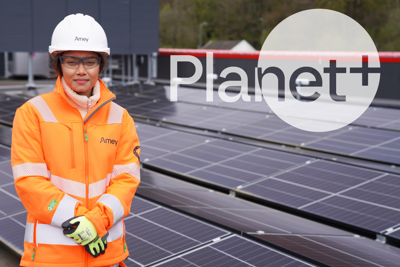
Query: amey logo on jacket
point(109, 141)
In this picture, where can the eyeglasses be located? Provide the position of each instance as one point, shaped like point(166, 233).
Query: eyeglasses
point(73, 62)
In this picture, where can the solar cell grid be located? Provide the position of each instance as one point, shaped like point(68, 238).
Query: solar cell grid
point(160, 236)
point(330, 177)
point(13, 233)
point(220, 179)
point(197, 163)
point(338, 251)
point(129, 263)
point(337, 146)
point(171, 165)
point(5, 153)
point(143, 252)
point(366, 136)
point(377, 192)
point(9, 205)
point(148, 152)
point(140, 205)
point(391, 125)
point(362, 214)
point(195, 153)
point(149, 132)
point(255, 168)
point(392, 145)
point(381, 154)
point(285, 193)
point(235, 251)
point(159, 233)
point(184, 225)
point(5, 178)
point(287, 157)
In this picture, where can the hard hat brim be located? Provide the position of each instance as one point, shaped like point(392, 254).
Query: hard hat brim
point(54, 50)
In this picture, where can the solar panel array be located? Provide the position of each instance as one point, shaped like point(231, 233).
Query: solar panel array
point(325, 244)
point(8, 105)
point(385, 118)
point(360, 197)
point(376, 144)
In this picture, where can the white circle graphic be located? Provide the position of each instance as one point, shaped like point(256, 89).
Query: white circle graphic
point(318, 70)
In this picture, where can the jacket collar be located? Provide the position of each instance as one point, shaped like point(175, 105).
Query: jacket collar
point(105, 95)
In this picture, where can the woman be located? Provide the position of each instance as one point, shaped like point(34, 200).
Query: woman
point(75, 157)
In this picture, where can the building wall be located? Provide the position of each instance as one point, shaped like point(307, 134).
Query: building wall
point(131, 26)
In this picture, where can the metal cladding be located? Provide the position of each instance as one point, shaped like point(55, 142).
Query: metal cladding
point(130, 26)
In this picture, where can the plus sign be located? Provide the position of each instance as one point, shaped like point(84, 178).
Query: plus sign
point(365, 70)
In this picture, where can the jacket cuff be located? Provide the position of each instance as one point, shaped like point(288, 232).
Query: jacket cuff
point(80, 210)
point(99, 223)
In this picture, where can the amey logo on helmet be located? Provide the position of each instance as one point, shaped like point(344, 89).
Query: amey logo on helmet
point(332, 71)
point(81, 39)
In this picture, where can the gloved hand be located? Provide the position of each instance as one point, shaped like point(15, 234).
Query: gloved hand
point(80, 229)
point(97, 246)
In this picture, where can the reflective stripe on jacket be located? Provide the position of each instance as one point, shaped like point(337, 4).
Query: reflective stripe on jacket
point(66, 166)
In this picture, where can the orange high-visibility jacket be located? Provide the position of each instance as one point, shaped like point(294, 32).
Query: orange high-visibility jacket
point(66, 166)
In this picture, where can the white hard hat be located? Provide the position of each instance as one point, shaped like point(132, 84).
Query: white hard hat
point(79, 33)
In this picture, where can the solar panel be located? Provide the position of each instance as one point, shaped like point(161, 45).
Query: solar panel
point(285, 193)
point(234, 213)
point(235, 251)
point(383, 191)
point(140, 205)
point(9, 204)
point(156, 141)
point(160, 233)
point(364, 198)
point(225, 163)
point(5, 176)
point(362, 214)
point(8, 105)
point(338, 251)
point(12, 233)
point(368, 143)
point(389, 155)
point(5, 154)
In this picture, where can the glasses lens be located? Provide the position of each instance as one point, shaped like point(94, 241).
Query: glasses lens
point(91, 62)
point(69, 61)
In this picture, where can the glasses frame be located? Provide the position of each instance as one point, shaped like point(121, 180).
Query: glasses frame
point(80, 59)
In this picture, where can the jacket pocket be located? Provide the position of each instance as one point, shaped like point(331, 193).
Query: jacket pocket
point(71, 142)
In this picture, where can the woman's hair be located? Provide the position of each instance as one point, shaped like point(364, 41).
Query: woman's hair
point(55, 63)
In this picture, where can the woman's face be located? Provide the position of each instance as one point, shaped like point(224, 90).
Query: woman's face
point(81, 80)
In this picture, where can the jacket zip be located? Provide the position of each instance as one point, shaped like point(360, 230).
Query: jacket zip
point(34, 240)
point(89, 104)
point(86, 180)
point(87, 160)
point(123, 235)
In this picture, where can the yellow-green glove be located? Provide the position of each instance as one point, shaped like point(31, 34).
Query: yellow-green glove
point(80, 229)
point(97, 246)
